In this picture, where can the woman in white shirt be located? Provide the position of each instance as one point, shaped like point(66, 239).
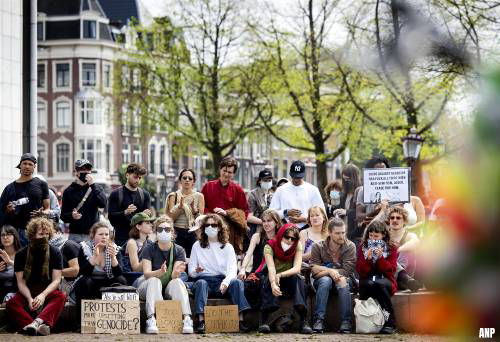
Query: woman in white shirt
point(213, 267)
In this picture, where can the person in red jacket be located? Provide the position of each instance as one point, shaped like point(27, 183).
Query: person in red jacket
point(376, 267)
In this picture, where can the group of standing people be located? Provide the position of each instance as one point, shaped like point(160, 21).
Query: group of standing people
point(215, 243)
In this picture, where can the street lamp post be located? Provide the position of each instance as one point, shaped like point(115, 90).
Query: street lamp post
point(412, 144)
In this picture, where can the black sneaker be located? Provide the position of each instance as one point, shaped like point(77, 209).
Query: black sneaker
point(388, 330)
point(200, 329)
point(318, 325)
point(414, 285)
point(305, 328)
point(345, 328)
point(264, 328)
point(243, 327)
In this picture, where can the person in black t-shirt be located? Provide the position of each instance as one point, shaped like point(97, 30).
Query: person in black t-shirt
point(38, 273)
point(126, 201)
point(81, 215)
point(24, 198)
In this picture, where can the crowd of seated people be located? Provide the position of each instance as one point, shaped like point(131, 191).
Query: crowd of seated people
point(281, 259)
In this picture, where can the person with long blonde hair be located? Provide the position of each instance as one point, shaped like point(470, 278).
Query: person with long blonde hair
point(317, 231)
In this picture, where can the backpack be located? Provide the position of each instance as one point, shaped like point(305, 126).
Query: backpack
point(368, 315)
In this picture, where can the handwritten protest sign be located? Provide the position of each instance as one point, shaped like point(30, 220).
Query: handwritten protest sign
point(391, 184)
point(169, 316)
point(222, 318)
point(120, 296)
point(110, 317)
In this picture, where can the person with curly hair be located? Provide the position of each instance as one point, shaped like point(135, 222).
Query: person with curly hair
point(213, 267)
point(38, 269)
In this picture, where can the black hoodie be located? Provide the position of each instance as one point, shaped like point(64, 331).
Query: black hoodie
point(72, 196)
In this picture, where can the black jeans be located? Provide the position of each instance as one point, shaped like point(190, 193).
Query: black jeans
point(293, 287)
point(185, 239)
point(380, 290)
point(90, 288)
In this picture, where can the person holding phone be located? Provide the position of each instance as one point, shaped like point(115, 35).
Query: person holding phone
point(164, 264)
point(81, 202)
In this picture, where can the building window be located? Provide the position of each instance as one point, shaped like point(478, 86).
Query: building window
point(41, 76)
point(90, 113)
point(88, 74)
point(62, 155)
point(162, 159)
point(89, 29)
point(62, 75)
point(125, 153)
point(106, 75)
point(39, 31)
point(63, 116)
point(152, 150)
point(108, 158)
point(92, 151)
point(42, 114)
point(136, 158)
point(42, 158)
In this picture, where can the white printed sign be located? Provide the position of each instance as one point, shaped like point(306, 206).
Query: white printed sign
point(120, 296)
point(387, 184)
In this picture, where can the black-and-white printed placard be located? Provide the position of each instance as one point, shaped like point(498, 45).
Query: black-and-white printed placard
point(387, 184)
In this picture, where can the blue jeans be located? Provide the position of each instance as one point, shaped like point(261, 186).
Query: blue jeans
point(323, 286)
point(209, 286)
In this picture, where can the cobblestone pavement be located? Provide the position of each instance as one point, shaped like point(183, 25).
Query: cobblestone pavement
point(230, 337)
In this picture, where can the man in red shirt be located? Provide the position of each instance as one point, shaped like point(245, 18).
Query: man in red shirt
point(223, 194)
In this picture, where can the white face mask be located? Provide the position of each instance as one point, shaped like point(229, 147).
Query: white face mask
point(164, 236)
point(211, 231)
point(284, 246)
point(266, 185)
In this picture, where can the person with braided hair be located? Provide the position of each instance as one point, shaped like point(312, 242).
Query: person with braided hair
point(38, 269)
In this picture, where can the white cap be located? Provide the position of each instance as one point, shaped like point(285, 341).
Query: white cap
point(197, 223)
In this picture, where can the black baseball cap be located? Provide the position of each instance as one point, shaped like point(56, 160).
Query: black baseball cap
point(265, 174)
point(26, 156)
point(80, 163)
point(297, 169)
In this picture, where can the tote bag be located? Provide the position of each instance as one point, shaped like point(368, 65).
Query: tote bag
point(368, 315)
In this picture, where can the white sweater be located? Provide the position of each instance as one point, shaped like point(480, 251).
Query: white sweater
point(302, 197)
point(214, 260)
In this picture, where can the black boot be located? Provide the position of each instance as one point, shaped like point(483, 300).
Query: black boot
point(406, 282)
point(264, 327)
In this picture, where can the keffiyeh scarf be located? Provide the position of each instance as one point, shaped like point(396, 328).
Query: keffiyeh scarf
point(373, 244)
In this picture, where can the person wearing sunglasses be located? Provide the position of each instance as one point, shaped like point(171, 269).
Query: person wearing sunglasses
point(407, 244)
point(184, 206)
point(213, 267)
point(283, 260)
point(164, 264)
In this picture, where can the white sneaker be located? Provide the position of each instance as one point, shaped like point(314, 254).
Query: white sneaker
point(32, 328)
point(151, 327)
point(188, 325)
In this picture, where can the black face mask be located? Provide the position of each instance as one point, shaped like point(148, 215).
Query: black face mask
point(83, 177)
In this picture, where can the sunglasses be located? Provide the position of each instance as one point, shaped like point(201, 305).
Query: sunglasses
point(161, 229)
point(395, 218)
point(293, 238)
point(7, 234)
point(187, 178)
point(213, 225)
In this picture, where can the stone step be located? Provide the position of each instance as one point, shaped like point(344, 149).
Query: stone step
point(405, 305)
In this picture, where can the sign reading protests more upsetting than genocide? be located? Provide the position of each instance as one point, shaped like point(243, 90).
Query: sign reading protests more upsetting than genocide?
point(222, 318)
point(169, 316)
point(110, 317)
point(387, 184)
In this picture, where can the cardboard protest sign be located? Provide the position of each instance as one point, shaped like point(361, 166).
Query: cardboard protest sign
point(387, 184)
point(222, 318)
point(110, 317)
point(169, 316)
